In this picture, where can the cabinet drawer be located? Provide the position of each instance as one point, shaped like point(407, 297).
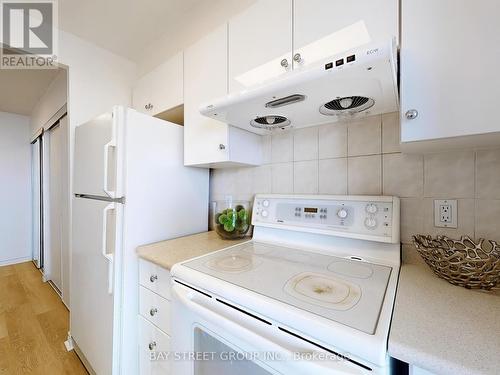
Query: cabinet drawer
point(154, 278)
point(152, 341)
point(154, 308)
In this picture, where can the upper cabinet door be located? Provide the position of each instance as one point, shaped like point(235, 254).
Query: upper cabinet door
point(167, 89)
point(160, 89)
point(260, 43)
point(449, 68)
point(205, 78)
point(326, 27)
point(141, 95)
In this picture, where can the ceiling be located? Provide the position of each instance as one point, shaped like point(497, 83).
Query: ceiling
point(126, 27)
point(21, 89)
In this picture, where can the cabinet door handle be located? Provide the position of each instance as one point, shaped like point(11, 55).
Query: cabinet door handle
point(153, 278)
point(222, 147)
point(411, 114)
point(284, 63)
point(152, 345)
point(148, 106)
point(153, 311)
point(297, 58)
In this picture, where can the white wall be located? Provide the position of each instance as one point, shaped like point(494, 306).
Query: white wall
point(98, 79)
point(54, 98)
point(15, 189)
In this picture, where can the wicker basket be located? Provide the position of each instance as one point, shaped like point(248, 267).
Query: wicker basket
point(462, 262)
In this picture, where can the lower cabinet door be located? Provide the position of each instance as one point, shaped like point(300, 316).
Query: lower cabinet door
point(154, 347)
point(154, 278)
point(155, 309)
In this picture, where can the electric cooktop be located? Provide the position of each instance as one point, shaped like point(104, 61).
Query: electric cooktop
point(344, 290)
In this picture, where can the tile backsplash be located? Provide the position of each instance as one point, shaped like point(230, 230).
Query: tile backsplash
point(363, 157)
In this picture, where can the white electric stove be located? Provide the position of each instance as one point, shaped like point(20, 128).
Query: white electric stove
point(312, 292)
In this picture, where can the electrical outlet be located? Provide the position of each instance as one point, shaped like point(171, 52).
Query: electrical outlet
point(445, 213)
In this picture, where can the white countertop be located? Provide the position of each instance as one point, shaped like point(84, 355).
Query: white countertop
point(443, 328)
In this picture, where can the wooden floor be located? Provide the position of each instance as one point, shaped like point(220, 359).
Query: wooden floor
point(33, 325)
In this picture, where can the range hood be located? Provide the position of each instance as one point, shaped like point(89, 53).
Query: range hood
point(357, 83)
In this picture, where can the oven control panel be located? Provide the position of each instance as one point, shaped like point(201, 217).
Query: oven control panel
point(354, 216)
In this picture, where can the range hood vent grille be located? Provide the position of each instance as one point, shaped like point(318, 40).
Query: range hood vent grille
point(290, 99)
point(270, 122)
point(347, 105)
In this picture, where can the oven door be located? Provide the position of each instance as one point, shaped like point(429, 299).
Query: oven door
point(213, 337)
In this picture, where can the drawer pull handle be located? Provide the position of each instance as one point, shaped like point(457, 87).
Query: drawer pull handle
point(153, 311)
point(152, 345)
point(153, 278)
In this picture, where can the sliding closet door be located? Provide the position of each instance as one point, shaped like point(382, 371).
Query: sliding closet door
point(55, 207)
point(36, 196)
point(53, 248)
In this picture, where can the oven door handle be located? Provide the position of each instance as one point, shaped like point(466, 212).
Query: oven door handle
point(234, 322)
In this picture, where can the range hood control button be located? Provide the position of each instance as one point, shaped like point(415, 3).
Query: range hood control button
point(342, 213)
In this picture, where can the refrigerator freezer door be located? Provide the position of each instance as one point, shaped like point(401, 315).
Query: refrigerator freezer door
point(96, 280)
point(97, 156)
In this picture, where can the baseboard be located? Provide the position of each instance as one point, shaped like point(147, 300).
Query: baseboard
point(56, 289)
point(82, 358)
point(8, 262)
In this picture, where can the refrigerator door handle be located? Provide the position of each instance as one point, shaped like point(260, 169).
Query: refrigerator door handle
point(105, 254)
point(107, 146)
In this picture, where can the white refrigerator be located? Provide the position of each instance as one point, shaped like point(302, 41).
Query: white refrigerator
point(130, 188)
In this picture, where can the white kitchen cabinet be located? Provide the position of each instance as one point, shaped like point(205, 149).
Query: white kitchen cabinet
point(326, 27)
point(141, 95)
point(450, 83)
point(161, 89)
point(155, 308)
point(154, 318)
point(269, 32)
point(154, 278)
point(152, 341)
point(208, 142)
point(260, 38)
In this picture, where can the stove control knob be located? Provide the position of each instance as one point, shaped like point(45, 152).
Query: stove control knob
point(265, 213)
point(265, 203)
point(342, 213)
point(370, 223)
point(371, 208)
